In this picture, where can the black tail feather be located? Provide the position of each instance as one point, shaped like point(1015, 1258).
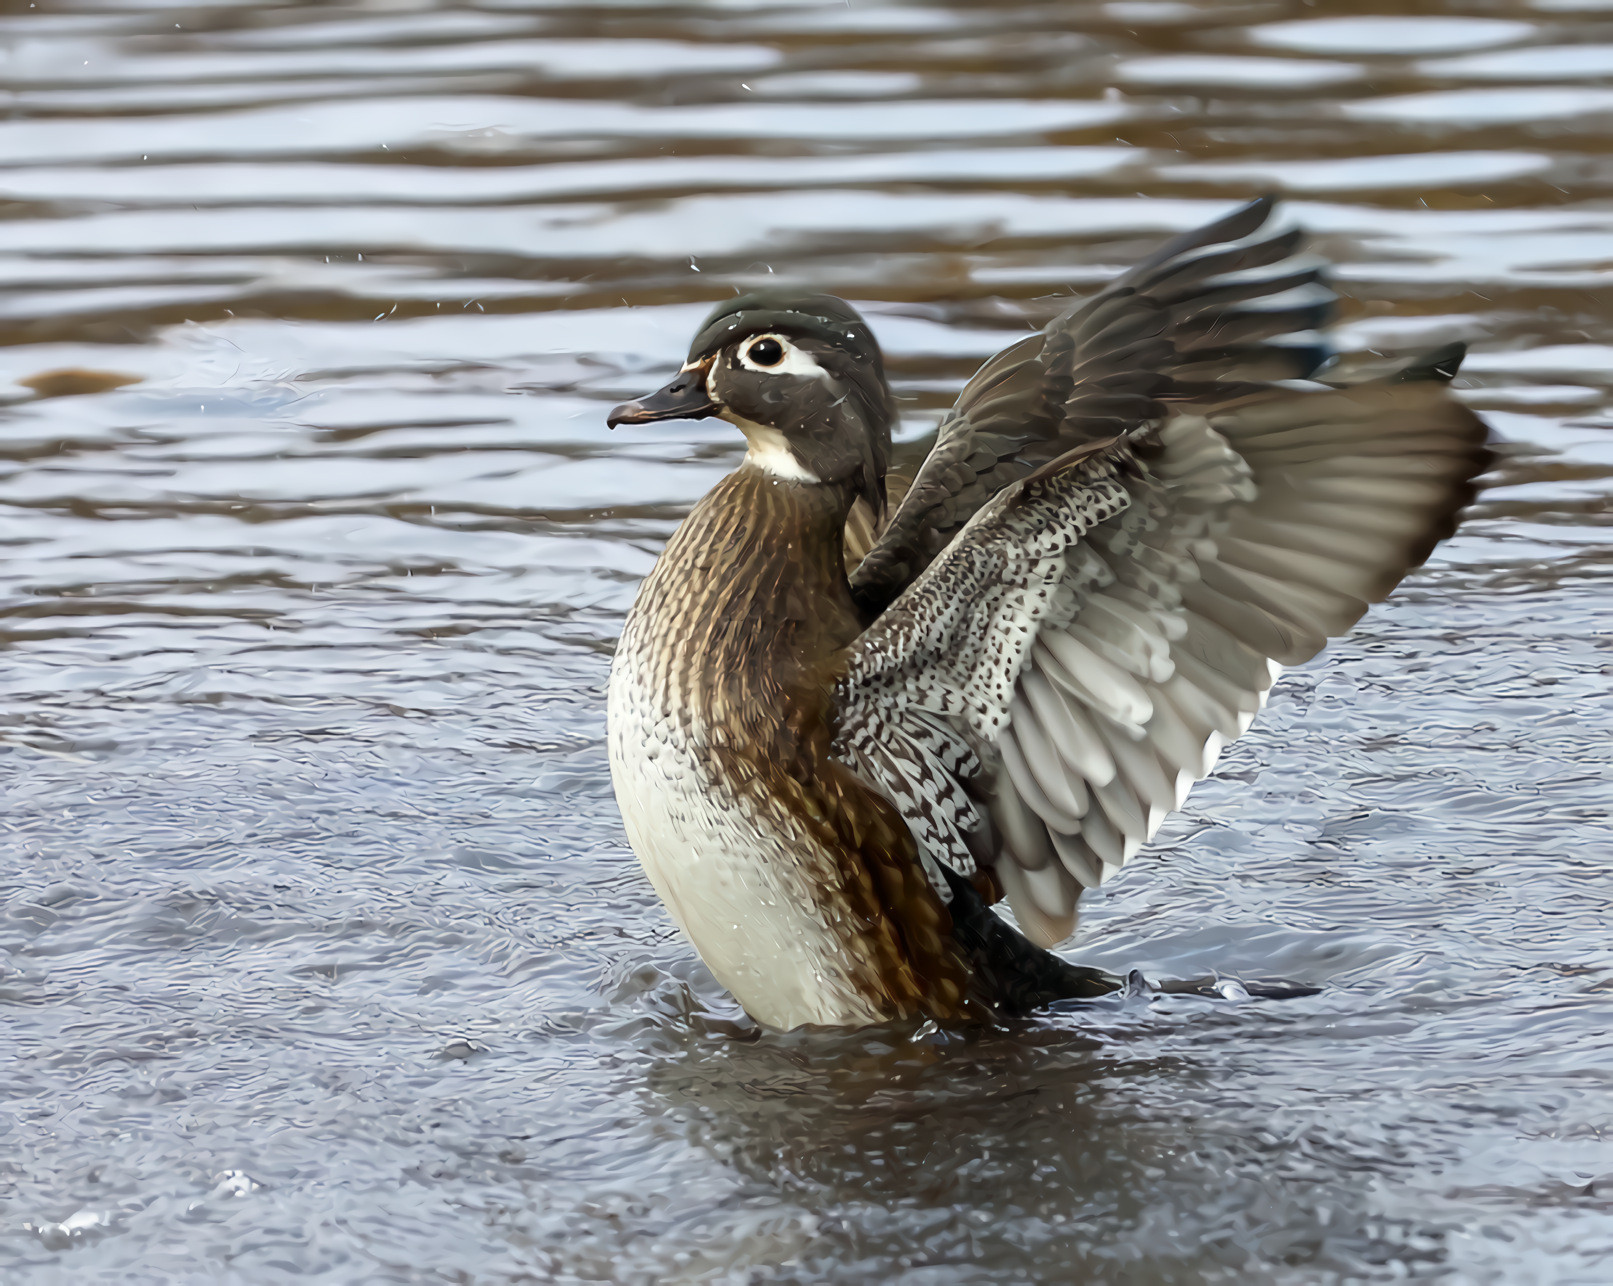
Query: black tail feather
point(1017, 976)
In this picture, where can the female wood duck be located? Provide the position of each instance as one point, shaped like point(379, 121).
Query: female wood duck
point(846, 716)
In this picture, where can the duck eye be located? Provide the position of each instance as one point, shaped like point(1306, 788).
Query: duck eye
point(766, 352)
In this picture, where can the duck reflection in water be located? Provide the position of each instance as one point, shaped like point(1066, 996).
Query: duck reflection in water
point(1092, 1147)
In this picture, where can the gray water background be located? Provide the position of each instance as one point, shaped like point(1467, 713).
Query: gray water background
point(322, 956)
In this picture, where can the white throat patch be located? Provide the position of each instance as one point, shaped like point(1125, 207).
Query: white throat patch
point(769, 451)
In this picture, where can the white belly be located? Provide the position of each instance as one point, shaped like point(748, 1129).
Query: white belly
point(735, 884)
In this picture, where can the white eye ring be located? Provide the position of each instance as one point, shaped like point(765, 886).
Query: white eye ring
point(785, 349)
point(796, 361)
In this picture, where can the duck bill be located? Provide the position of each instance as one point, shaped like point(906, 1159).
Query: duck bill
point(683, 399)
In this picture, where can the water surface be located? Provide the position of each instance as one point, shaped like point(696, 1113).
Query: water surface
point(322, 955)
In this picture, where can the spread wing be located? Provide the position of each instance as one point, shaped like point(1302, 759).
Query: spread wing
point(1170, 327)
point(1098, 625)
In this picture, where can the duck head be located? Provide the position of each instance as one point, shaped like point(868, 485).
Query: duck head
point(801, 377)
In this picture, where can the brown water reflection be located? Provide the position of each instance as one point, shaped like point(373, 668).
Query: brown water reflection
point(322, 955)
